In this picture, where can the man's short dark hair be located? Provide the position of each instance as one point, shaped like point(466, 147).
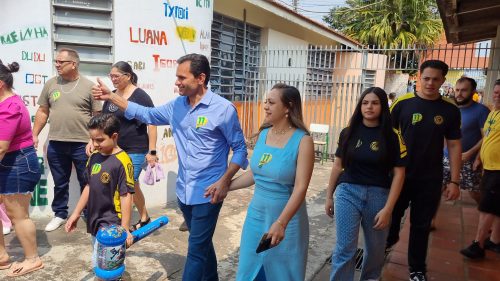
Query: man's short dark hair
point(199, 65)
point(436, 64)
point(106, 122)
point(472, 82)
point(497, 83)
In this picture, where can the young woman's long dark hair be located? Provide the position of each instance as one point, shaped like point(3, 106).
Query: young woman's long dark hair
point(386, 132)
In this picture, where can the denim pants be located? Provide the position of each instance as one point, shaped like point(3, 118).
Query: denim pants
point(19, 171)
point(357, 205)
point(201, 262)
point(61, 155)
point(138, 159)
point(424, 197)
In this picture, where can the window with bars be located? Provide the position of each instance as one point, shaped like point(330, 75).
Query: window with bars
point(234, 62)
point(320, 64)
point(86, 26)
point(369, 78)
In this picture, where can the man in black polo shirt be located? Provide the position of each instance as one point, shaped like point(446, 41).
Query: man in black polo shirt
point(425, 120)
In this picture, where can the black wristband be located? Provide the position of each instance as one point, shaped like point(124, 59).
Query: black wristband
point(455, 183)
point(152, 152)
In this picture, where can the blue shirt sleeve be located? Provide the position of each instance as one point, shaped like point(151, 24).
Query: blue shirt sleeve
point(231, 130)
point(160, 115)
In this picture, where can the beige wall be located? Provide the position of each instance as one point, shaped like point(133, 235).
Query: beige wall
point(350, 65)
point(287, 65)
point(267, 16)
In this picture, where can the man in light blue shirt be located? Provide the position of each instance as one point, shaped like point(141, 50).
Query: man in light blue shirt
point(205, 126)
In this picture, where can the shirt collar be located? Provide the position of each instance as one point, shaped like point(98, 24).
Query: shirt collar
point(206, 99)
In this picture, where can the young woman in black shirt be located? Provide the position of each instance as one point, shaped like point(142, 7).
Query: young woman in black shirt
point(367, 177)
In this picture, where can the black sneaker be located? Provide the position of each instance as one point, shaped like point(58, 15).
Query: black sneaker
point(492, 246)
point(474, 251)
point(417, 276)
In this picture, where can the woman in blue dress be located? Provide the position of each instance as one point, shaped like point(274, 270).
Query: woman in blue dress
point(281, 168)
point(367, 177)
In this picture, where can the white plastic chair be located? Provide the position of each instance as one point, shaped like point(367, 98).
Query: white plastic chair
point(319, 133)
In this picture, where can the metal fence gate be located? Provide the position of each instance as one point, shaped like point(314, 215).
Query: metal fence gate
point(331, 79)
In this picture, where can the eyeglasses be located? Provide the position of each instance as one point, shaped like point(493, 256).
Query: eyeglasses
point(115, 76)
point(59, 62)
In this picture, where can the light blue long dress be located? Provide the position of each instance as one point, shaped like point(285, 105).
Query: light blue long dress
point(274, 172)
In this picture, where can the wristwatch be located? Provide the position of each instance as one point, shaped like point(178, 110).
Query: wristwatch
point(152, 152)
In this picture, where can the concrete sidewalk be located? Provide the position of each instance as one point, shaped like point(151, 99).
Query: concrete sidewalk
point(161, 256)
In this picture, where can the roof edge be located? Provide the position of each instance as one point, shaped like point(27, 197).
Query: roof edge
point(313, 22)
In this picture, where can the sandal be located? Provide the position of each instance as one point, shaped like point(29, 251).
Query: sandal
point(20, 268)
point(139, 224)
point(6, 264)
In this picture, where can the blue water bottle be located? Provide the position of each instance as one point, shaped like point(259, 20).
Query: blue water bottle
point(110, 263)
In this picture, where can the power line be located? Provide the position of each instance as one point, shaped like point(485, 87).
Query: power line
point(303, 10)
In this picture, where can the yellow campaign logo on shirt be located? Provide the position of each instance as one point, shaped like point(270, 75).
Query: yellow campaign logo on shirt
point(96, 168)
point(438, 119)
point(374, 146)
point(56, 95)
point(105, 177)
point(201, 121)
point(417, 117)
point(264, 159)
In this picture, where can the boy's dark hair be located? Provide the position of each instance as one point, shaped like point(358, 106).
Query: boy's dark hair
point(106, 122)
point(497, 82)
point(472, 82)
point(199, 65)
point(392, 96)
point(436, 64)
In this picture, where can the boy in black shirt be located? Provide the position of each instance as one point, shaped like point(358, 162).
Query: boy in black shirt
point(425, 120)
point(110, 182)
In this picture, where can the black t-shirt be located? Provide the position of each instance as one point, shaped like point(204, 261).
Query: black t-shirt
point(366, 166)
point(108, 177)
point(133, 137)
point(424, 125)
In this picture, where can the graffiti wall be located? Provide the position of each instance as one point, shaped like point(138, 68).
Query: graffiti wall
point(150, 38)
point(28, 42)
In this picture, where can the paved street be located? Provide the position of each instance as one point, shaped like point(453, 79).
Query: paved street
point(161, 256)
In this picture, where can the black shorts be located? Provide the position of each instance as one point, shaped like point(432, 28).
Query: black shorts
point(490, 193)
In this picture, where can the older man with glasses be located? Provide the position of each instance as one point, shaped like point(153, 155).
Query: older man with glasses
point(67, 99)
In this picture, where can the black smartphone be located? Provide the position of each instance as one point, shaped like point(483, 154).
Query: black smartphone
point(264, 244)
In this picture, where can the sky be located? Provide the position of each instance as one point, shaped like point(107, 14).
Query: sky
point(314, 9)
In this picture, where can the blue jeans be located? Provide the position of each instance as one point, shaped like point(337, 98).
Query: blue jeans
point(354, 205)
point(138, 160)
point(61, 155)
point(19, 171)
point(201, 262)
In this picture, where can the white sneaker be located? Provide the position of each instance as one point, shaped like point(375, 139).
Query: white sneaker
point(6, 230)
point(54, 224)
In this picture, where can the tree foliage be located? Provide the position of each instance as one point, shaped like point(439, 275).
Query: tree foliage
point(388, 23)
